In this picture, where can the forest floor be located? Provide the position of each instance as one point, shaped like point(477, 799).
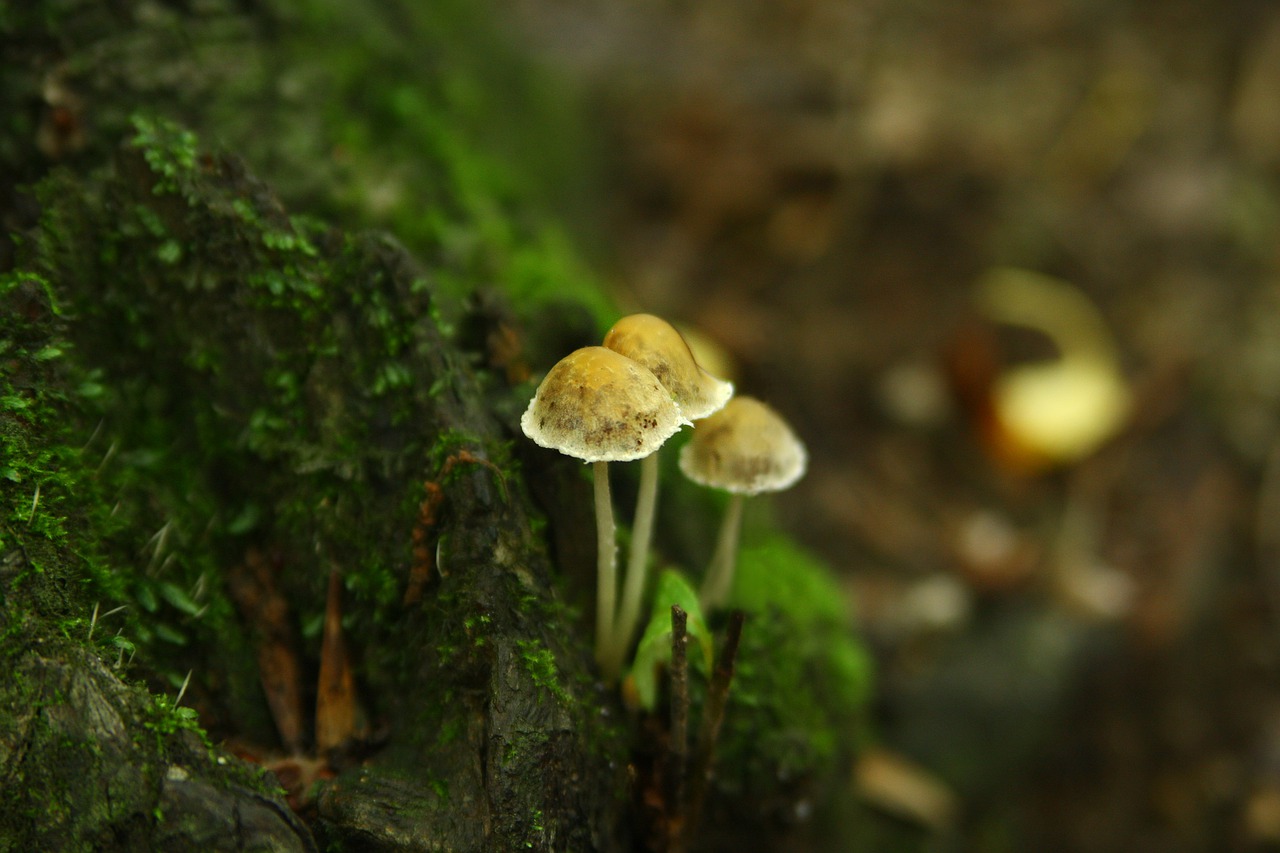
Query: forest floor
point(1086, 655)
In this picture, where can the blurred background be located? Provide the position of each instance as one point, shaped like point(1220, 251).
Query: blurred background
point(1053, 502)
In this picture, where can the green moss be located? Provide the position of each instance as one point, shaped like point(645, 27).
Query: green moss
point(58, 526)
point(534, 829)
point(774, 573)
point(69, 730)
point(160, 505)
point(170, 152)
point(48, 488)
point(798, 705)
point(33, 469)
point(540, 666)
point(165, 719)
point(517, 750)
point(424, 156)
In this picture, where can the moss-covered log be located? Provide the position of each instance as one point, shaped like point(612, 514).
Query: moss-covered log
point(291, 390)
point(267, 464)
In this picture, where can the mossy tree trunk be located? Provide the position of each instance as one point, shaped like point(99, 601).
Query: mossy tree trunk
point(261, 480)
point(201, 387)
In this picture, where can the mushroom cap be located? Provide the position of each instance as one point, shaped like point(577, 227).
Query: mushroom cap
point(1064, 410)
point(599, 406)
point(657, 345)
point(1056, 412)
point(746, 448)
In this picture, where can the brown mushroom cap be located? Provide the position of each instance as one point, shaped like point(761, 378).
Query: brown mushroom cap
point(599, 406)
point(746, 448)
point(657, 345)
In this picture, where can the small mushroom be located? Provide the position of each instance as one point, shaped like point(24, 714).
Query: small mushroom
point(657, 345)
point(1060, 411)
point(602, 407)
point(745, 448)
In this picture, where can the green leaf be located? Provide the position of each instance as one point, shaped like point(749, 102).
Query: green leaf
point(179, 599)
point(146, 596)
point(246, 520)
point(654, 650)
point(170, 634)
point(169, 252)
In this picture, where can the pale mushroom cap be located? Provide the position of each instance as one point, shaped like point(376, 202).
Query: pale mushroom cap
point(746, 447)
point(1063, 410)
point(657, 345)
point(599, 406)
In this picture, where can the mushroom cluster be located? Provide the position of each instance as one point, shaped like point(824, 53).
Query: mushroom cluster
point(602, 407)
point(620, 402)
point(657, 345)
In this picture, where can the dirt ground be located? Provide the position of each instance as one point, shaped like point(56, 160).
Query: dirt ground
point(1086, 653)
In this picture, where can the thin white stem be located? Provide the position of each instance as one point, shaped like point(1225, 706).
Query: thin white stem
point(606, 568)
point(719, 579)
point(183, 690)
point(637, 564)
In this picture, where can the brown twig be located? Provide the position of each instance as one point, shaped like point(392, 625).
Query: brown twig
point(712, 718)
point(678, 744)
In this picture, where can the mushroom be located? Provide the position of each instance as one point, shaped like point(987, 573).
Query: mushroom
point(1060, 411)
point(657, 345)
point(745, 448)
point(602, 407)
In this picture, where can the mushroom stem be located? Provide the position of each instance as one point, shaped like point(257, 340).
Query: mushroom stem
point(715, 586)
point(638, 561)
point(606, 570)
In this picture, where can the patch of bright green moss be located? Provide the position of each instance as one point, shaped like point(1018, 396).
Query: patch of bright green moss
point(451, 147)
point(540, 666)
point(45, 484)
point(797, 708)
